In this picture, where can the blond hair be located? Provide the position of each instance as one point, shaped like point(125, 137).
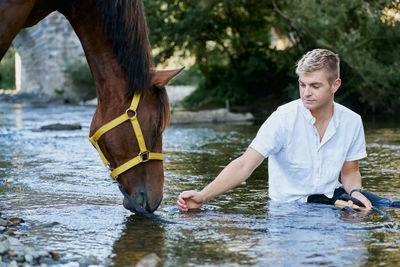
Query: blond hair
point(320, 59)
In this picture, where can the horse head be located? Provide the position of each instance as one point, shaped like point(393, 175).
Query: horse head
point(126, 131)
point(128, 138)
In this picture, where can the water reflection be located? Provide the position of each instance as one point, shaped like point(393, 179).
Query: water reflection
point(381, 169)
point(18, 115)
point(70, 205)
point(139, 238)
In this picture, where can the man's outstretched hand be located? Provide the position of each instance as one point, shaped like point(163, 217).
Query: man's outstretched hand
point(190, 200)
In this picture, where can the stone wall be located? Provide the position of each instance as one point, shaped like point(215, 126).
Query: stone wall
point(43, 53)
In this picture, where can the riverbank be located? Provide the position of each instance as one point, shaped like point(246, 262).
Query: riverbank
point(181, 116)
point(222, 115)
point(14, 253)
point(176, 95)
point(14, 97)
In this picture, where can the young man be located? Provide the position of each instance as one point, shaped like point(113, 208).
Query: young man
point(309, 142)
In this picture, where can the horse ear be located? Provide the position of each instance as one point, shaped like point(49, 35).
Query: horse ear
point(162, 77)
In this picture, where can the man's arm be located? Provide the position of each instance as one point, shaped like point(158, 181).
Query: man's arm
point(232, 175)
point(351, 179)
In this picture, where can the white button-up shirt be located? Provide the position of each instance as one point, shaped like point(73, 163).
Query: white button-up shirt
point(299, 163)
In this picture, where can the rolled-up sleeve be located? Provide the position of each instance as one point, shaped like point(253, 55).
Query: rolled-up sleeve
point(269, 137)
point(357, 149)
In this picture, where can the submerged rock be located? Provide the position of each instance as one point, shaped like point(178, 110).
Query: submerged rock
point(61, 127)
point(12, 250)
point(87, 261)
point(150, 260)
point(8, 180)
point(14, 253)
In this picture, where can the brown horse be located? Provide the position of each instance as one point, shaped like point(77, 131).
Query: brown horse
point(114, 37)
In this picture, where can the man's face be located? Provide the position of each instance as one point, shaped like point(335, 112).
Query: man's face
point(315, 90)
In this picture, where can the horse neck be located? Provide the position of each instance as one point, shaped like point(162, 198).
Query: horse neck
point(109, 76)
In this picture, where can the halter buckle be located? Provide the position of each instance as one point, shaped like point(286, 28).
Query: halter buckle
point(131, 110)
point(145, 156)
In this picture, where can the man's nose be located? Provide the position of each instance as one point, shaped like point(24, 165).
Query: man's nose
point(307, 91)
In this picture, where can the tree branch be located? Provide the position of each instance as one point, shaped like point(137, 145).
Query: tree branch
point(305, 31)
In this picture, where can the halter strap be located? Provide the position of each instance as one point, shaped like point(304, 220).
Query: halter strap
point(143, 156)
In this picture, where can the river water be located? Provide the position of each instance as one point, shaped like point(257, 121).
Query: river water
point(56, 182)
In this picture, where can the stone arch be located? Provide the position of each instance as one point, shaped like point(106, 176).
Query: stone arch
point(43, 53)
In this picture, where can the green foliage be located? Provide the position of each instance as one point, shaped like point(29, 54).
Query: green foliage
point(367, 42)
point(228, 40)
point(7, 70)
point(255, 76)
point(82, 79)
point(231, 42)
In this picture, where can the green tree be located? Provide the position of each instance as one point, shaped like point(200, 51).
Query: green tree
point(82, 80)
point(367, 40)
point(231, 42)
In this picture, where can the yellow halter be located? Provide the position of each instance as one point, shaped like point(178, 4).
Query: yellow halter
point(143, 156)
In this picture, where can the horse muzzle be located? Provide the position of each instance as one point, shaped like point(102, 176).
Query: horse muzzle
point(142, 200)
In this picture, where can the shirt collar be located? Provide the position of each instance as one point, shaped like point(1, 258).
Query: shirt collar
point(309, 117)
point(306, 113)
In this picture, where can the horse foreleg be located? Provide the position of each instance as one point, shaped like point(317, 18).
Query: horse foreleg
point(13, 14)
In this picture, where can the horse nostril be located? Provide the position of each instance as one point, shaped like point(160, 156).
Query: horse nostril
point(142, 198)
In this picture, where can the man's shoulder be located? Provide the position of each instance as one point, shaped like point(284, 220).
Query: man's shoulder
point(345, 113)
point(283, 115)
point(286, 114)
point(289, 107)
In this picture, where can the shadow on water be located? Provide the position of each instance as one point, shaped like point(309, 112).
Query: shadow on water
point(139, 238)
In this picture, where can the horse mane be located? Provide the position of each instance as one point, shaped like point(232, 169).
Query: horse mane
point(126, 27)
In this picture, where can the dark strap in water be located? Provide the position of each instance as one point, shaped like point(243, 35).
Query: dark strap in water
point(340, 194)
point(359, 203)
point(139, 209)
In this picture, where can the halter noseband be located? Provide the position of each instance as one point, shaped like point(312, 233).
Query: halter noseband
point(143, 156)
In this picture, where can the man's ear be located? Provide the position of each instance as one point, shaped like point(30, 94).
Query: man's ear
point(336, 84)
point(162, 77)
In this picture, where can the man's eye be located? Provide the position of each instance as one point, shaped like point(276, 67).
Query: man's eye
point(315, 87)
